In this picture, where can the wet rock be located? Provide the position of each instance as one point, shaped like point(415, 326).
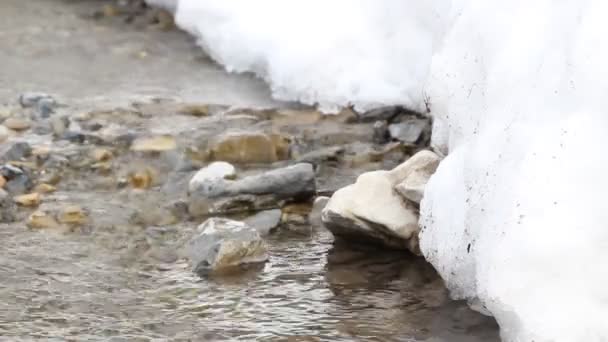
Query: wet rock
point(101, 154)
point(265, 222)
point(4, 133)
point(32, 99)
point(222, 245)
point(15, 151)
point(17, 124)
point(249, 147)
point(45, 188)
point(45, 107)
point(387, 113)
point(8, 210)
point(322, 155)
point(74, 137)
point(154, 144)
point(73, 215)
point(59, 125)
point(42, 219)
point(317, 208)
point(421, 167)
point(409, 131)
point(380, 132)
point(142, 179)
point(198, 110)
point(258, 192)
point(18, 180)
point(209, 176)
point(28, 200)
point(371, 211)
point(295, 218)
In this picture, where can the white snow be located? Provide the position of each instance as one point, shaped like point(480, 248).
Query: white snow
point(328, 52)
point(518, 91)
point(515, 218)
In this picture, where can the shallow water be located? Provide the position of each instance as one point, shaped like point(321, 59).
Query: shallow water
point(61, 287)
point(112, 282)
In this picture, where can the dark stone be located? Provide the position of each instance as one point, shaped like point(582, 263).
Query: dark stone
point(8, 208)
point(27, 100)
point(410, 131)
point(380, 132)
point(15, 151)
point(387, 113)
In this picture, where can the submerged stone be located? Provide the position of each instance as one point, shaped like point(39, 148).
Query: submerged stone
point(223, 245)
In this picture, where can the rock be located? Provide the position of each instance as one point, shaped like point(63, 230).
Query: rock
point(387, 113)
point(265, 222)
point(4, 133)
point(154, 144)
point(317, 208)
point(420, 168)
point(210, 175)
point(59, 125)
point(17, 124)
point(380, 132)
point(2, 181)
point(8, 209)
point(45, 188)
point(101, 154)
point(73, 215)
point(15, 151)
point(142, 179)
point(221, 245)
point(198, 110)
point(295, 218)
point(323, 155)
point(263, 191)
point(42, 220)
point(409, 131)
point(28, 200)
point(371, 211)
point(249, 147)
point(18, 181)
point(27, 100)
point(45, 107)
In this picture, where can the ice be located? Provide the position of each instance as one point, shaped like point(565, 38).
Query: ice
point(515, 219)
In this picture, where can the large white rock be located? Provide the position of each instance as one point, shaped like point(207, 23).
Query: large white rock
point(419, 169)
point(222, 245)
point(372, 211)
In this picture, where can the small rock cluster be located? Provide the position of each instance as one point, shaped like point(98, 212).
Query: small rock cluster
point(244, 173)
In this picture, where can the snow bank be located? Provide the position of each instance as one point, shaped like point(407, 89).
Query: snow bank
point(514, 219)
point(328, 52)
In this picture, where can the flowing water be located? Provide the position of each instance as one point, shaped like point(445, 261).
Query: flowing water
point(117, 283)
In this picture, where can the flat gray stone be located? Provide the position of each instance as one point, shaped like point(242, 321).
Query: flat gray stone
point(264, 191)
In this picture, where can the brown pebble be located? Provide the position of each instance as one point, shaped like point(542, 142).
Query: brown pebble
point(2, 181)
point(28, 200)
point(73, 215)
point(41, 220)
point(141, 179)
point(17, 124)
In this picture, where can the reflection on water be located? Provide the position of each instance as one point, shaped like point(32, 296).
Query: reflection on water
point(83, 288)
